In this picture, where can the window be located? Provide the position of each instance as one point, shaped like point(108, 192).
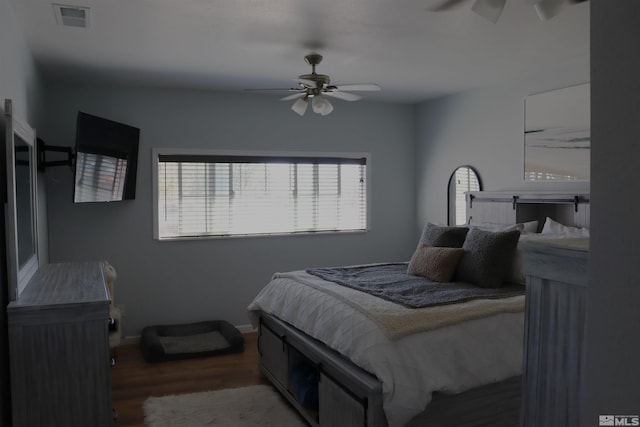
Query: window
point(231, 194)
point(463, 179)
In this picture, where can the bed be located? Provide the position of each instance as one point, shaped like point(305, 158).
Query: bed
point(378, 362)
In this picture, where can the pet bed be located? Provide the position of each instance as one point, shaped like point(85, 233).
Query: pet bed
point(175, 342)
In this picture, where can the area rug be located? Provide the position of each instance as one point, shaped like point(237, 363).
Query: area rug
point(253, 406)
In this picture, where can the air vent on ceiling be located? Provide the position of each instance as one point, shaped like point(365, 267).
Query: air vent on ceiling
point(71, 16)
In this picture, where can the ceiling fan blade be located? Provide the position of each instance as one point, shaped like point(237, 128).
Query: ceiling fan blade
point(294, 96)
point(282, 89)
point(366, 86)
point(307, 82)
point(444, 5)
point(345, 96)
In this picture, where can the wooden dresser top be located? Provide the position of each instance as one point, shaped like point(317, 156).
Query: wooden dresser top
point(62, 284)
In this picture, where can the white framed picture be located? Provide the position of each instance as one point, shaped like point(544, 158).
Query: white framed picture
point(557, 135)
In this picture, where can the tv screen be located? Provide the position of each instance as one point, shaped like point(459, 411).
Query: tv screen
point(106, 160)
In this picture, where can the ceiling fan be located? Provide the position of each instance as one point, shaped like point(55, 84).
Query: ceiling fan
point(316, 88)
point(492, 9)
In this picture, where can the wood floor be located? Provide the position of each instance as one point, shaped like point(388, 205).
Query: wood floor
point(133, 379)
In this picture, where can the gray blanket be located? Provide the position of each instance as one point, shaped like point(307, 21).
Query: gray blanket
point(391, 282)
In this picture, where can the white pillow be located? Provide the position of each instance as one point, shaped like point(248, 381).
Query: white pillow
point(554, 227)
point(527, 227)
point(524, 227)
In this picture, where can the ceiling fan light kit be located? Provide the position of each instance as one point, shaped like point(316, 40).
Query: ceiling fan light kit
point(492, 9)
point(489, 9)
point(316, 87)
point(300, 106)
point(547, 9)
point(321, 105)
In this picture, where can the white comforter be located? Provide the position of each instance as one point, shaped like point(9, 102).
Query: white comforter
point(450, 359)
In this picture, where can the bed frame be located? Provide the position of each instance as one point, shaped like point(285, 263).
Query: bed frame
point(350, 396)
point(503, 207)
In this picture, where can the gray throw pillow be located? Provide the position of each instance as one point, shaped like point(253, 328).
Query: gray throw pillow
point(488, 257)
point(443, 236)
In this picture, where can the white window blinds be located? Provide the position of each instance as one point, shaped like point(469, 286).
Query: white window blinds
point(213, 195)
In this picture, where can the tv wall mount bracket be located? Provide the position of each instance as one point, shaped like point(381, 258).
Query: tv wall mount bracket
point(43, 148)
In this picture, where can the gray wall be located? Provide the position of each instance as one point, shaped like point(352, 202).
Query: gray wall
point(176, 282)
point(613, 310)
point(18, 75)
point(484, 129)
point(19, 82)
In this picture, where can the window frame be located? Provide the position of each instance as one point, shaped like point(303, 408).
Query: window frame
point(156, 152)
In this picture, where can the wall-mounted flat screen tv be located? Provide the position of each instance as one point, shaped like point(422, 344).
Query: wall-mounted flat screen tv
point(106, 160)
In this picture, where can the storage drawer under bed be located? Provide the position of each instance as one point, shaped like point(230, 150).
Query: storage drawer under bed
point(344, 392)
point(273, 353)
point(338, 407)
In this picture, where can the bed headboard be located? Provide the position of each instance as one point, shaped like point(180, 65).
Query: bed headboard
point(503, 207)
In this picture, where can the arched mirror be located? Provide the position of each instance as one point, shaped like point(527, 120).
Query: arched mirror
point(463, 179)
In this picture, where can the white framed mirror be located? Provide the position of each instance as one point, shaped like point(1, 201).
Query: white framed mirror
point(21, 209)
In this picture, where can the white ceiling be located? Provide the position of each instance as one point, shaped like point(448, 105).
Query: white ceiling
point(413, 53)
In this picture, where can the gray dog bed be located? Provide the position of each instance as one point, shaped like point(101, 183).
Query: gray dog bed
point(175, 342)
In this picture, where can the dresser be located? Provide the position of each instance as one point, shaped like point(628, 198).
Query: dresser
point(59, 348)
point(554, 356)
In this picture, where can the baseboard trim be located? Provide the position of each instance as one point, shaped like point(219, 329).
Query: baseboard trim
point(245, 329)
point(130, 340)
